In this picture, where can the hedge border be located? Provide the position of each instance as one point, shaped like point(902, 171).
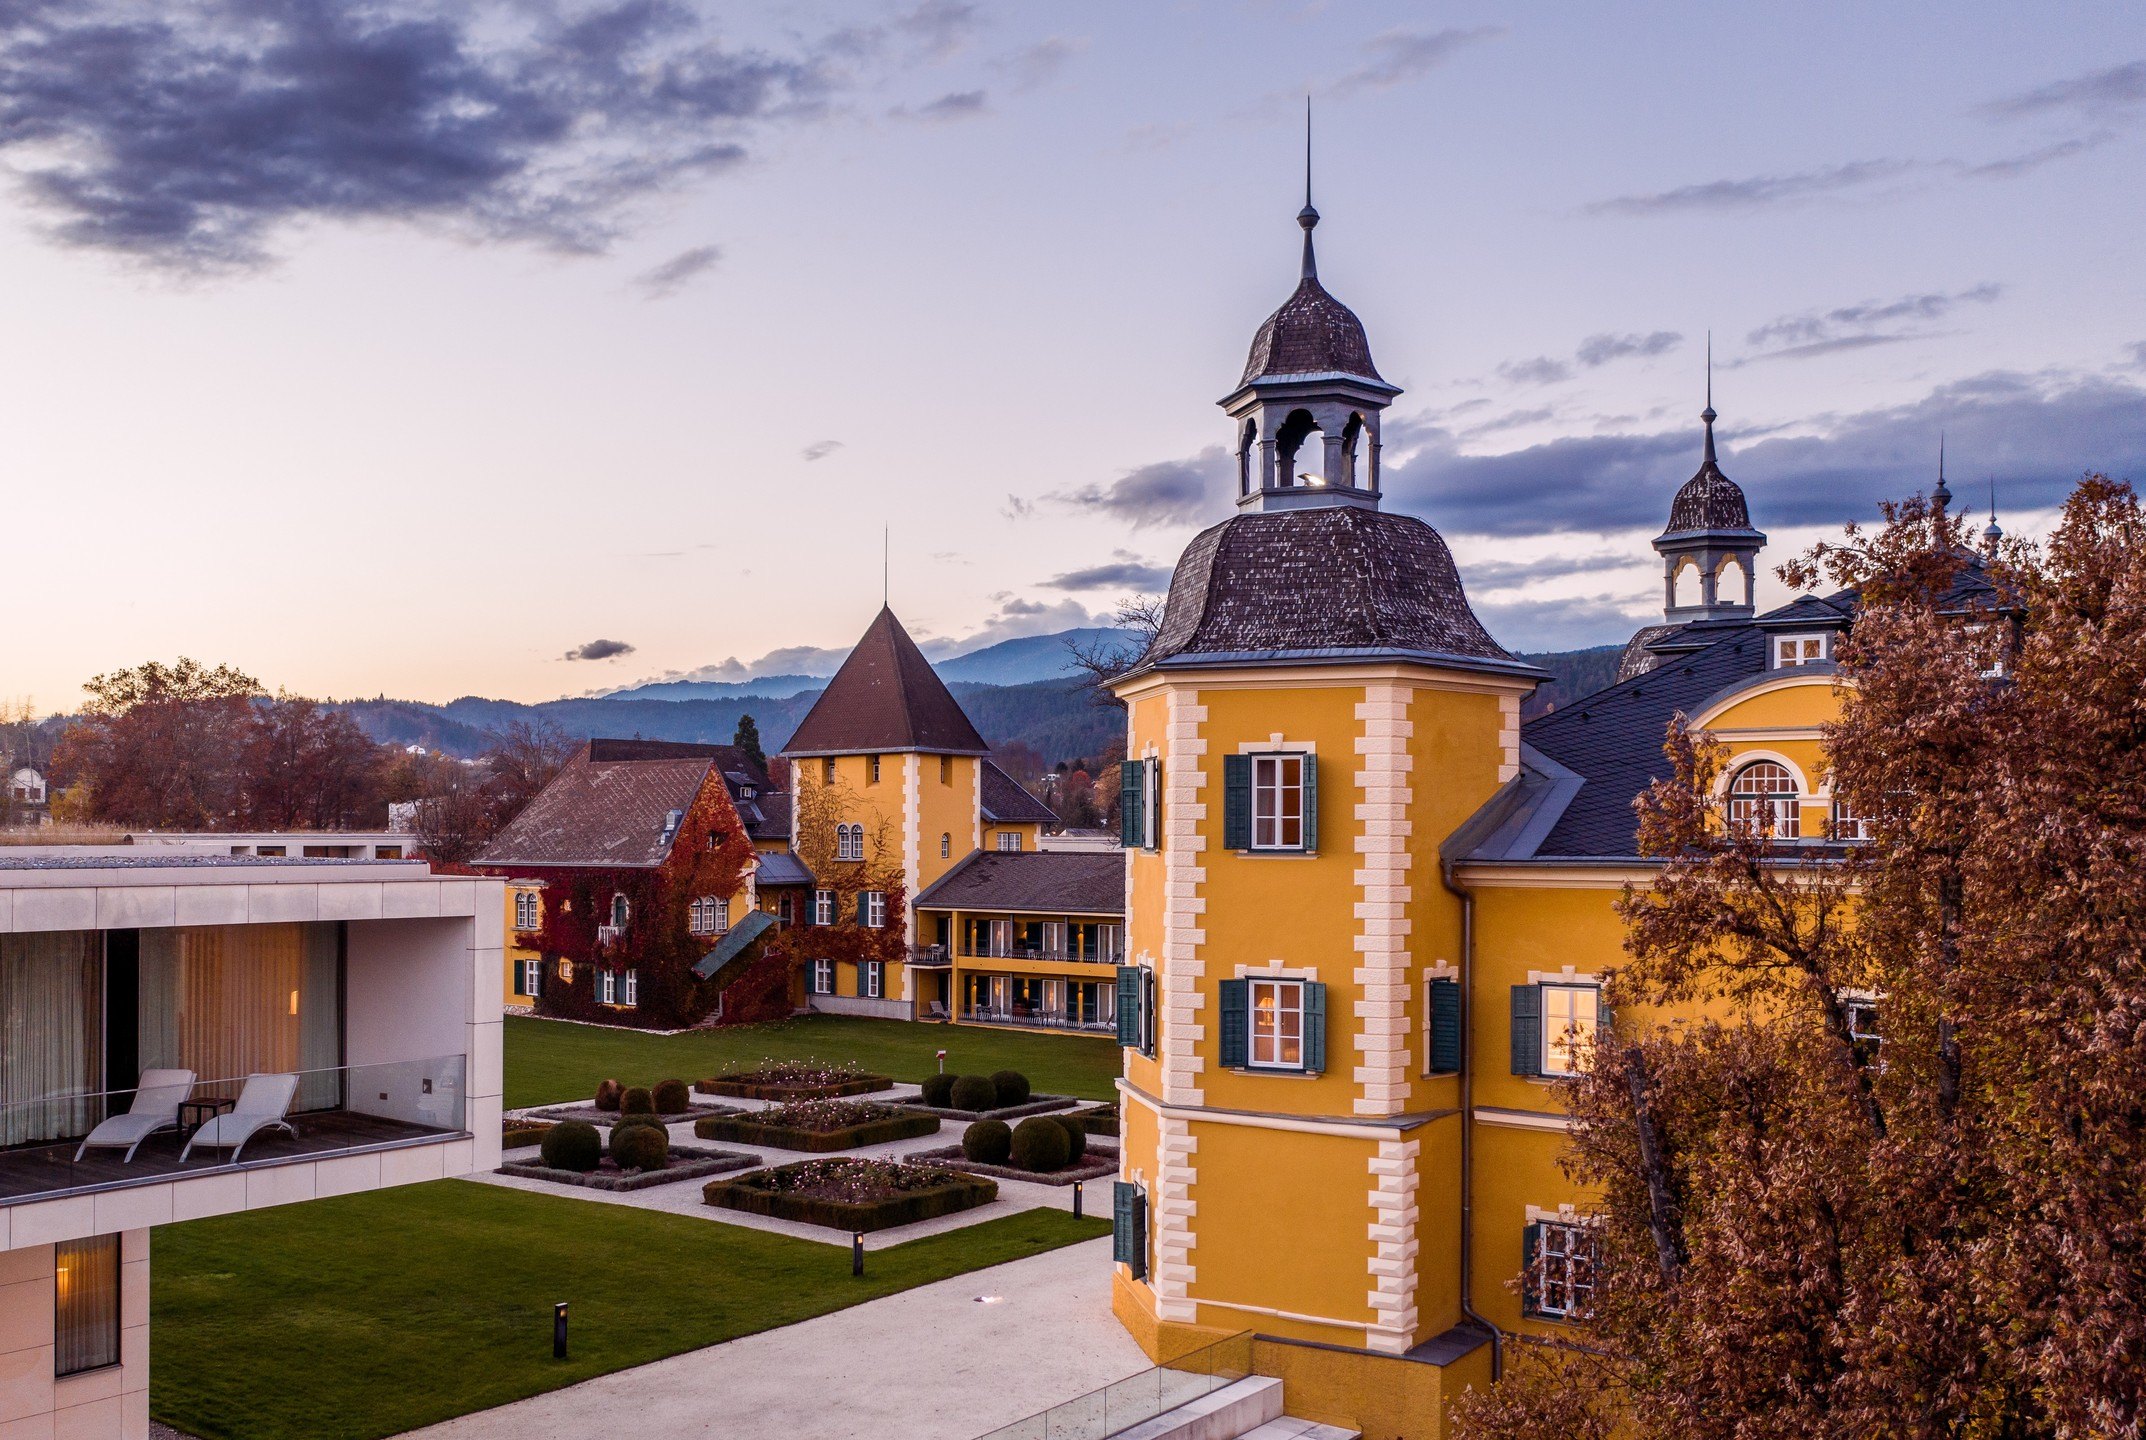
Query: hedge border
point(1096, 1120)
point(740, 1129)
point(1098, 1163)
point(1040, 1105)
point(687, 1163)
point(960, 1192)
point(730, 1085)
point(533, 1130)
point(608, 1118)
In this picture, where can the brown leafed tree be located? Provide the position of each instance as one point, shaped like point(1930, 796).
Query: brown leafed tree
point(1938, 1232)
point(310, 768)
point(162, 746)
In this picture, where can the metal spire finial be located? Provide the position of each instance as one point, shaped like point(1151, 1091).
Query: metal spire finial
point(1994, 532)
point(1707, 415)
point(1308, 217)
point(1941, 496)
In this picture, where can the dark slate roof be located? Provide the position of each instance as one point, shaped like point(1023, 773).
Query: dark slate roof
point(1312, 334)
point(766, 812)
point(885, 697)
point(1006, 802)
point(750, 927)
point(610, 806)
point(1045, 882)
point(1709, 500)
point(1336, 582)
point(781, 867)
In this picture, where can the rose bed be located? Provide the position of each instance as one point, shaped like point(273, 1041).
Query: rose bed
point(687, 1162)
point(851, 1194)
point(819, 1125)
point(793, 1082)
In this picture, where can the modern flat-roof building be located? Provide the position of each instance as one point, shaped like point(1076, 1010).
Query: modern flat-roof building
point(185, 1035)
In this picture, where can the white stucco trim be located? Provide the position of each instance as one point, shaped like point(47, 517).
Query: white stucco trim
point(1522, 1119)
point(1381, 1030)
point(1179, 998)
point(1777, 681)
point(1276, 970)
point(1508, 737)
point(1175, 1271)
point(1560, 1215)
point(1278, 744)
point(1736, 763)
point(1566, 976)
point(1395, 1215)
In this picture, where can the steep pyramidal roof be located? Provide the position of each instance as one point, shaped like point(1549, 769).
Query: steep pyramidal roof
point(885, 697)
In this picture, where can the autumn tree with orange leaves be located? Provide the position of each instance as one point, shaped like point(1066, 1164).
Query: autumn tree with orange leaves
point(1941, 1233)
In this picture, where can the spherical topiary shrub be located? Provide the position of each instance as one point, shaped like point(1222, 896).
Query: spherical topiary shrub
point(572, 1145)
point(637, 1101)
point(988, 1142)
point(1011, 1085)
point(1076, 1138)
point(939, 1090)
point(973, 1092)
point(1039, 1143)
point(640, 1147)
point(672, 1097)
point(607, 1095)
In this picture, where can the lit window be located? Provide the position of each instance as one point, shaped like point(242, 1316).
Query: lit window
point(1763, 796)
point(1560, 1283)
point(1569, 1014)
point(823, 907)
point(85, 1304)
point(875, 909)
point(1277, 1008)
point(1277, 802)
point(1790, 651)
point(1009, 839)
point(946, 844)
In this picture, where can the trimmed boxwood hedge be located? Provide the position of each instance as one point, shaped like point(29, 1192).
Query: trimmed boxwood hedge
point(1076, 1136)
point(742, 1130)
point(988, 1142)
point(1040, 1144)
point(514, 1133)
point(974, 1093)
point(754, 1090)
point(608, 1095)
point(1012, 1087)
point(1097, 1119)
point(959, 1192)
point(573, 1145)
point(939, 1089)
point(671, 1097)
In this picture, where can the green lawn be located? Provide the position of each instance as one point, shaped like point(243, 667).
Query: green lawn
point(370, 1314)
point(549, 1061)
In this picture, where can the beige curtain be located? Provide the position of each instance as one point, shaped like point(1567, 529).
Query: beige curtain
point(228, 1001)
point(51, 1035)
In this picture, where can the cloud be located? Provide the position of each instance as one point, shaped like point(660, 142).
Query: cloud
point(1124, 570)
point(2097, 94)
point(667, 278)
point(956, 105)
point(2006, 167)
point(1599, 350)
point(1757, 191)
point(2036, 433)
point(1400, 57)
point(1167, 492)
point(1563, 622)
point(1037, 65)
point(1017, 508)
point(1015, 619)
point(599, 650)
point(821, 449)
point(1542, 370)
point(939, 28)
point(195, 134)
point(1859, 326)
point(1490, 575)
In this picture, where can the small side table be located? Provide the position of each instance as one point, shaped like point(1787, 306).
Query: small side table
point(193, 1114)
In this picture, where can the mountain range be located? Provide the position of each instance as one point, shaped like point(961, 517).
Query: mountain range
point(1022, 661)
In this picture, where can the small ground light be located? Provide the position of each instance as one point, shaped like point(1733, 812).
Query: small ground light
point(558, 1331)
point(990, 1299)
point(942, 1062)
point(856, 1252)
point(1076, 1199)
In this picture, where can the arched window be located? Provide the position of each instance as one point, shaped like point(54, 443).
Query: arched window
point(1352, 437)
point(1732, 582)
point(619, 912)
point(1300, 451)
point(849, 842)
point(1684, 583)
point(1763, 795)
point(946, 844)
point(1248, 458)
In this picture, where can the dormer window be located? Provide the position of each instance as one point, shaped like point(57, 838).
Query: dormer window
point(1790, 651)
point(748, 792)
point(1762, 797)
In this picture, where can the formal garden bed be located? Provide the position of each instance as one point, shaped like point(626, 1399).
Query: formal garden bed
point(1097, 1119)
point(852, 1194)
point(667, 1100)
point(1002, 1095)
point(784, 1080)
point(593, 1115)
point(819, 1125)
point(1093, 1165)
point(685, 1162)
point(1044, 1149)
point(516, 1132)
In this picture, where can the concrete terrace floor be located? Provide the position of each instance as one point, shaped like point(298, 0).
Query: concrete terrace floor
point(933, 1363)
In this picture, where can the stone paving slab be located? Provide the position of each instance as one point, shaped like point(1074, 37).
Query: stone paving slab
point(933, 1363)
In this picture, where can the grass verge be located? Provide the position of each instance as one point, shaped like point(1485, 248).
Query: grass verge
point(549, 1062)
point(366, 1315)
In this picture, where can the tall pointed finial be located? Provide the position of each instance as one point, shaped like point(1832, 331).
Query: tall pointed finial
point(886, 566)
point(1994, 532)
point(1941, 496)
point(1707, 415)
point(1308, 217)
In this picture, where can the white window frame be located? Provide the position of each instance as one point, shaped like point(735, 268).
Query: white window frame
point(946, 844)
point(1150, 804)
point(621, 912)
point(823, 977)
point(874, 980)
point(1563, 1053)
point(1744, 807)
point(875, 909)
point(823, 907)
point(827, 771)
point(631, 988)
point(1565, 1246)
point(606, 987)
point(527, 914)
point(1109, 944)
point(1009, 841)
point(529, 977)
point(1847, 825)
point(1288, 1002)
point(1277, 801)
point(849, 842)
point(1788, 650)
point(871, 763)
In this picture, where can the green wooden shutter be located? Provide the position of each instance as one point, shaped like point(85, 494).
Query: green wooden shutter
point(1155, 819)
point(860, 907)
point(1130, 830)
point(1236, 803)
point(1236, 1020)
point(1315, 1027)
point(1445, 1026)
point(1311, 803)
point(1128, 1228)
point(1150, 1016)
point(1527, 1030)
point(1530, 1243)
point(1129, 1007)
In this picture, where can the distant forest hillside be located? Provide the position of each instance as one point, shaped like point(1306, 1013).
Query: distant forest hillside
point(1058, 719)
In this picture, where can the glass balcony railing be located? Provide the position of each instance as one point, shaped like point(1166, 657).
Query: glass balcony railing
point(1106, 1412)
point(79, 1140)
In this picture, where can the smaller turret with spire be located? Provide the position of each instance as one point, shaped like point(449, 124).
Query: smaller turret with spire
point(1709, 531)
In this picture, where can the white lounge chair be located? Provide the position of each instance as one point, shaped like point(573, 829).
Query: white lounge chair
point(262, 1104)
point(155, 1107)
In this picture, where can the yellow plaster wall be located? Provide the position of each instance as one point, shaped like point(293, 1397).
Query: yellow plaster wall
point(1144, 899)
point(1513, 1170)
point(1521, 929)
point(510, 971)
point(1796, 705)
point(1383, 1396)
point(944, 808)
point(1438, 1231)
point(1139, 1134)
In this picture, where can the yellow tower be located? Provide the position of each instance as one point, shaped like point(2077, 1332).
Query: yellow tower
point(1319, 710)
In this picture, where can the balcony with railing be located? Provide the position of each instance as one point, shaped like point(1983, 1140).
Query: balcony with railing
point(1061, 954)
point(191, 1128)
point(1027, 1017)
point(930, 957)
